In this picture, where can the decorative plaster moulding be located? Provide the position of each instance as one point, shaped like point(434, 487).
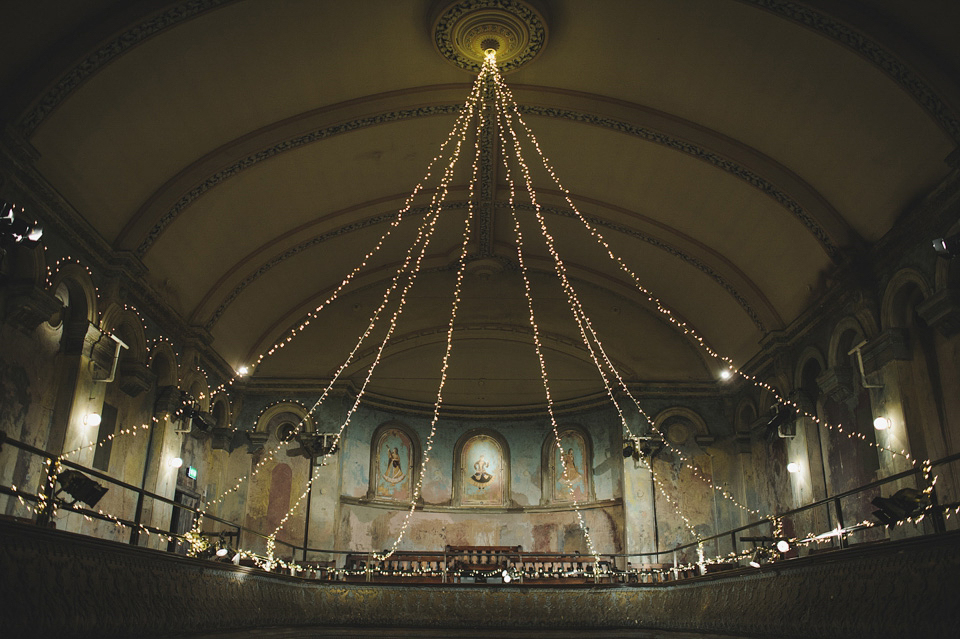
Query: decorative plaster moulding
point(464, 30)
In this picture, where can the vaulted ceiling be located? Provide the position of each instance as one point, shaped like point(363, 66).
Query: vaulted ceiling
point(250, 153)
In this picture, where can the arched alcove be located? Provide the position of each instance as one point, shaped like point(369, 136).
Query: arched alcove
point(566, 470)
point(481, 470)
point(394, 463)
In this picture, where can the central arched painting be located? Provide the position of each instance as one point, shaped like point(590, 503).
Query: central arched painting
point(483, 469)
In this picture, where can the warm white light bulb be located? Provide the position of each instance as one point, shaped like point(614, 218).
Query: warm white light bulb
point(91, 419)
point(243, 370)
point(725, 373)
point(793, 467)
point(881, 423)
point(176, 462)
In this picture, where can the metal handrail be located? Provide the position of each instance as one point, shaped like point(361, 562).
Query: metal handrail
point(294, 549)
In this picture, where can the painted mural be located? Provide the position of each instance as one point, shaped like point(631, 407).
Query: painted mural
point(570, 468)
point(484, 472)
point(395, 460)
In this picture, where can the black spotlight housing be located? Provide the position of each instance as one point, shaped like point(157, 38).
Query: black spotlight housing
point(80, 487)
point(629, 449)
point(947, 247)
point(906, 502)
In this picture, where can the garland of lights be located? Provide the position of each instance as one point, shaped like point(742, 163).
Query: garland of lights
point(436, 205)
point(505, 109)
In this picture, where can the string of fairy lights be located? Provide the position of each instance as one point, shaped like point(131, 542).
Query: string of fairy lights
point(505, 112)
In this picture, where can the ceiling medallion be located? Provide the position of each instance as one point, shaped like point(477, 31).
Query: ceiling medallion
point(465, 30)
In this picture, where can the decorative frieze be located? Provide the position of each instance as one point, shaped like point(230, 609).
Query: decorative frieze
point(134, 377)
point(28, 306)
point(942, 311)
point(836, 383)
point(890, 345)
point(256, 441)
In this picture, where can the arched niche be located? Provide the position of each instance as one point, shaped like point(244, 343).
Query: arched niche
point(282, 418)
point(746, 416)
point(566, 471)
point(906, 290)
point(127, 326)
point(680, 425)
point(810, 365)
point(132, 374)
point(74, 289)
point(220, 410)
point(394, 463)
point(481, 470)
point(163, 364)
point(197, 388)
point(846, 334)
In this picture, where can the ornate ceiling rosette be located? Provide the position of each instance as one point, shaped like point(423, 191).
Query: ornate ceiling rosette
point(464, 30)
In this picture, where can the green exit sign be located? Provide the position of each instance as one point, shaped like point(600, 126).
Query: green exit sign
point(191, 472)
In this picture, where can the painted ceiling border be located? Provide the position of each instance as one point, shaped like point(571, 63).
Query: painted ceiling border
point(688, 148)
point(871, 50)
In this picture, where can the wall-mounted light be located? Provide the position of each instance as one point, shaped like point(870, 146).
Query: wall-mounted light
point(243, 370)
point(881, 423)
point(175, 462)
point(92, 419)
point(793, 467)
point(725, 374)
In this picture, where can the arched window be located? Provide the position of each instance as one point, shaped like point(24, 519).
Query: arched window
point(394, 463)
point(481, 473)
point(567, 470)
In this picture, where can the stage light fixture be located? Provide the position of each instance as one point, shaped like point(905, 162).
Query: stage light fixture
point(759, 557)
point(92, 419)
point(15, 230)
point(881, 423)
point(793, 467)
point(905, 503)
point(783, 545)
point(80, 487)
point(175, 462)
point(947, 247)
point(629, 449)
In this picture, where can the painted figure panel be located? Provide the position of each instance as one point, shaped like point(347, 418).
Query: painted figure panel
point(570, 468)
point(483, 472)
point(395, 459)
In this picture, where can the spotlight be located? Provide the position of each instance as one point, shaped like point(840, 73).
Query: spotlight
point(904, 503)
point(175, 462)
point(793, 467)
point(222, 551)
point(243, 370)
point(759, 557)
point(14, 230)
point(947, 246)
point(881, 423)
point(92, 419)
point(629, 448)
point(80, 487)
point(781, 421)
point(725, 374)
point(506, 577)
point(783, 545)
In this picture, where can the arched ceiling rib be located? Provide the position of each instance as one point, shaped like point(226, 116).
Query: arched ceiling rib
point(249, 153)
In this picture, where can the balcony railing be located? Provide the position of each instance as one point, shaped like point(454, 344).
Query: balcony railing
point(495, 564)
